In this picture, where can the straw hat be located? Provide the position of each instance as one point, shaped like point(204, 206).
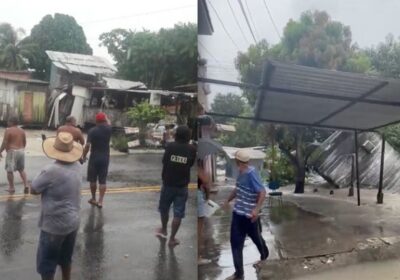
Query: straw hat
point(63, 148)
point(242, 155)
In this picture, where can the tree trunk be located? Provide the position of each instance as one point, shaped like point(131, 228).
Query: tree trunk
point(300, 179)
point(300, 163)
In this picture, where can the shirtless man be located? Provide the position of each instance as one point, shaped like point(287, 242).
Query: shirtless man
point(70, 126)
point(14, 142)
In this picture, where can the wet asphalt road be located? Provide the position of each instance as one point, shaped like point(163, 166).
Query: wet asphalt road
point(126, 170)
point(114, 243)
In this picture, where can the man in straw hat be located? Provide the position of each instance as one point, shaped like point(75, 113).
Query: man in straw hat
point(59, 185)
point(250, 195)
point(98, 142)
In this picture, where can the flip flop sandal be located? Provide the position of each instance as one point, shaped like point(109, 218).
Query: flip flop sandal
point(99, 205)
point(26, 190)
point(10, 191)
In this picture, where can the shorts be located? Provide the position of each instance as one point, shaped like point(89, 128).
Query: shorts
point(54, 250)
point(98, 170)
point(15, 160)
point(201, 204)
point(176, 196)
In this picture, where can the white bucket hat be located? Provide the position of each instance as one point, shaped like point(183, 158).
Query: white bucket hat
point(242, 155)
point(63, 148)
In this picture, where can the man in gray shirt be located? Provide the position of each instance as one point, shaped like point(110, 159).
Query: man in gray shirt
point(59, 185)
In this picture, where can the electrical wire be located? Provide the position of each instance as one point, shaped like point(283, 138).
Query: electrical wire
point(272, 19)
point(247, 20)
point(207, 51)
point(237, 22)
point(251, 19)
point(223, 25)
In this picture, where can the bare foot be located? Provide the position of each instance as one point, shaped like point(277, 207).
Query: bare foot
point(161, 233)
point(173, 242)
point(92, 201)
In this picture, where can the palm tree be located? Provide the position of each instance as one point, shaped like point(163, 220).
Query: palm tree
point(14, 52)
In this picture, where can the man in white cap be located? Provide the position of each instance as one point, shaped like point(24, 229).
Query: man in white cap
point(250, 195)
point(59, 185)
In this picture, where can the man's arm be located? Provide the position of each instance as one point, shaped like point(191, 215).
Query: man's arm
point(4, 144)
point(258, 187)
point(40, 183)
point(81, 139)
point(205, 180)
point(86, 150)
point(257, 209)
point(24, 139)
point(230, 198)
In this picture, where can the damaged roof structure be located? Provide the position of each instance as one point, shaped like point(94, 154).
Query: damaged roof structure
point(311, 97)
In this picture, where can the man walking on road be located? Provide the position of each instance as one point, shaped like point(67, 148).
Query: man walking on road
point(250, 195)
point(14, 142)
point(98, 142)
point(59, 185)
point(70, 126)
point(179, 157)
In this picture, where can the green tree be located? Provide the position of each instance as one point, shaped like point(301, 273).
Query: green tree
point(385, 60)
point(230, 103)
point(59, 33)
point(162, 60)
point(14, 53)
point(314, 40)
point(247, 133)
point(142, 114)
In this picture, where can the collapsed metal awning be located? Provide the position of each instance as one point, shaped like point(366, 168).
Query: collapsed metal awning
point(325, 98)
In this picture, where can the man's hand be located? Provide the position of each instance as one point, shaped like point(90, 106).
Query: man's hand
point(254, 215)
point(225, 205)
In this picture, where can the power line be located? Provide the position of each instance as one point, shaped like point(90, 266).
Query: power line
point(237, 22)
point(251, 18)
point(140, 14)
point(247, 20)
point(207, 51)
point(272, 19)
point(223, 25)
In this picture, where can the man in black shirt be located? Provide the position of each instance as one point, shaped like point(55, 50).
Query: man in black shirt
point(178, 158)
point(98, 141)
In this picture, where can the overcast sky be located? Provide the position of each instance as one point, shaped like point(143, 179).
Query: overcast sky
point(370, 22)
point(97, 17)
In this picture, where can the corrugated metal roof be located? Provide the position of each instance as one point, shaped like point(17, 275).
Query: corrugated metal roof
point(123, 84)
point(309, 96)
point(80, 63)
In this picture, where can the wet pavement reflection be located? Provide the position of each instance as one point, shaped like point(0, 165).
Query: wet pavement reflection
point(11, 230)
point(93, 258)
point(116, 242)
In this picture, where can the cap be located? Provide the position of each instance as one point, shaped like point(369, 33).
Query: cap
point(242, 155)
point(101, 117)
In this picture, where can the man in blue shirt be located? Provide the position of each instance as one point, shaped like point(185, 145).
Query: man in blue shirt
point(250, 195)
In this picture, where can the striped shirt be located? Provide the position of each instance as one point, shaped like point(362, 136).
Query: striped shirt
point(248, 186)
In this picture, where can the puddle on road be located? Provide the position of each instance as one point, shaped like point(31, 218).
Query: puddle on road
point(275, 220)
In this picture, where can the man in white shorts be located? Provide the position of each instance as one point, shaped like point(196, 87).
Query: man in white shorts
point(14, 142)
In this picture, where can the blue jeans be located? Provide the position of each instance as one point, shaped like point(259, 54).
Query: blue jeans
point(54, 250)
point(240, 228)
